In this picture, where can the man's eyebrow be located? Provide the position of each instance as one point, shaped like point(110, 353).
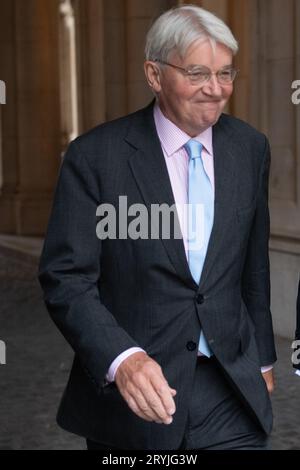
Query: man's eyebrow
point(228, 66)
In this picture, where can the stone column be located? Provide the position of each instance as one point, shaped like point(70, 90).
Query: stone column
point(115, 58)
point(126, 24)
point(31, 118)
point(91, 70)
point(8, 118)
point(218, 7)
point(139, 17)
point(274, 68)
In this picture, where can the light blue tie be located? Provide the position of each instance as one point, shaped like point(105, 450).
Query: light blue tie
point(200, 218)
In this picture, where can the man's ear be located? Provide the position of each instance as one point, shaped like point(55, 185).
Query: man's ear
point(152, 73)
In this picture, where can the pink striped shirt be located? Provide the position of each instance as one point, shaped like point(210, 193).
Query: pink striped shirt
point(172, 140)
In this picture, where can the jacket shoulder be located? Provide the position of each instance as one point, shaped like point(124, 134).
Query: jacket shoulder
point(241, 130)
point(108, 132)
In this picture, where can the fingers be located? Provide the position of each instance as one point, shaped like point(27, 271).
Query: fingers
point(270, 380)
point(152, 402)
point(163, 397)
point(138, 403)
point(145, 389)
point(137, 409)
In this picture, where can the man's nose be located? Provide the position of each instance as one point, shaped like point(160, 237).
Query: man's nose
point(212, 87)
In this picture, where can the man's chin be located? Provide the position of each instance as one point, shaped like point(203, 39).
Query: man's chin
point(210, 120)
point(212, 117)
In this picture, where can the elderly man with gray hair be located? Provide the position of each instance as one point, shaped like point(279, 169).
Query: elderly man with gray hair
point(172, 336)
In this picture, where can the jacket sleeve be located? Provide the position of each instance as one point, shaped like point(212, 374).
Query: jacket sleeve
point(70, 269)
point(256, 273)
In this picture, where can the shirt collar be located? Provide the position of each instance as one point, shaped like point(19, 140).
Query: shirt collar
point(172, 138)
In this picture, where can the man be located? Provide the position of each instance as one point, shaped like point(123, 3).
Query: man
point(297, 335)
point(169, 334)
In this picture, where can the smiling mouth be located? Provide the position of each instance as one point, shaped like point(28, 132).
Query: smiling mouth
point(209, 102)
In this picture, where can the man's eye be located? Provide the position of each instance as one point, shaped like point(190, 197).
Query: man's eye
point(198, 75)
point(225, 73)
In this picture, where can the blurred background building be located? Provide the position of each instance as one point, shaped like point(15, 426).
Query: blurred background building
point(69, 65)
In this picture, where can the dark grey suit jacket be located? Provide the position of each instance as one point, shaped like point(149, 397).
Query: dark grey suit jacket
point(107, 296)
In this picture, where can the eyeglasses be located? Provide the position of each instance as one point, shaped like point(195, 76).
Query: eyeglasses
point(199, 74)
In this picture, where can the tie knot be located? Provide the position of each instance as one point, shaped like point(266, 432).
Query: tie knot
point(193, 148)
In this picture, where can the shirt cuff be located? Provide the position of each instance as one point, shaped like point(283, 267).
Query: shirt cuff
point(110, 376)
point(297, 372)
point(266, 368)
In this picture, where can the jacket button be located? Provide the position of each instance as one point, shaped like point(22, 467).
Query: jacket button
point(191, 346)
point(199, 299)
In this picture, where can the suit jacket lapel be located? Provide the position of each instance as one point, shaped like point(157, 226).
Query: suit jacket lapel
point(151, 174)
point(225, 171)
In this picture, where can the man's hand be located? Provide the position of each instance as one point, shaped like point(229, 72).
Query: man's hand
point(143, 386)
point(269, 379)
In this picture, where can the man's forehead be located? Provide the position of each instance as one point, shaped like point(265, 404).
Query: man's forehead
point(202, 50)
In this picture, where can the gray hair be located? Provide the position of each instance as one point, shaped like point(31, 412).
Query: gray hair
point(178, 28)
